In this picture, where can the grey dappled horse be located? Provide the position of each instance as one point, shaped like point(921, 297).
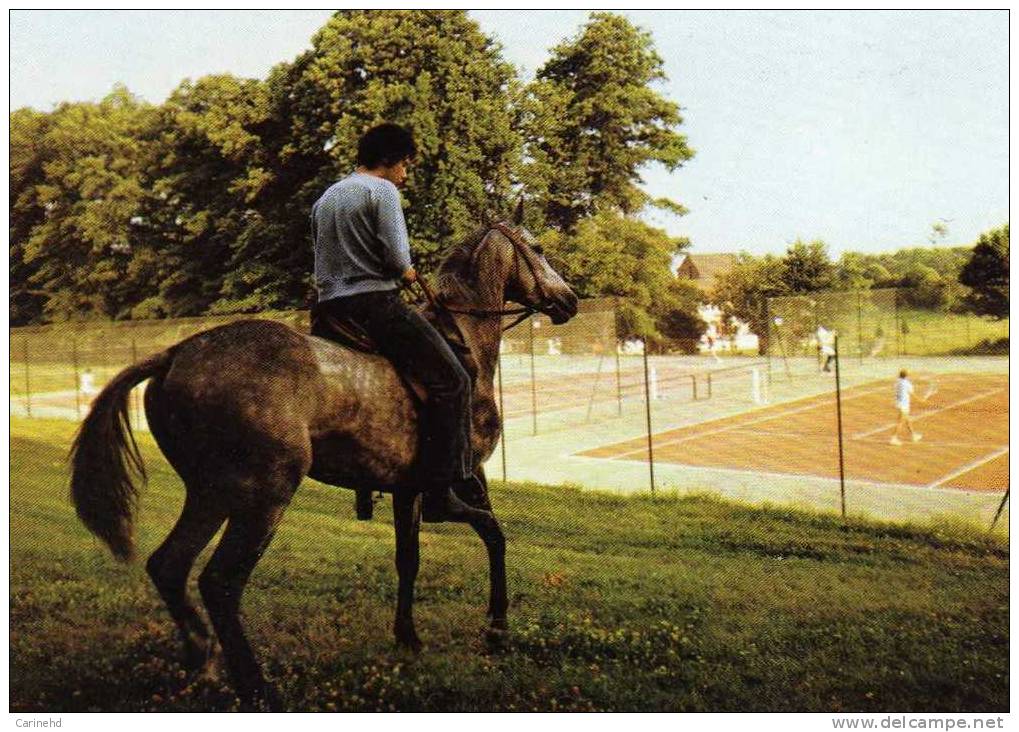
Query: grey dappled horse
point(244, 411)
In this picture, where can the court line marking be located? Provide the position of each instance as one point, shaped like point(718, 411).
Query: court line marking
point(924, 415)
point(813, 476)
point(932, 443)
point(969, 466)
point(741, 425)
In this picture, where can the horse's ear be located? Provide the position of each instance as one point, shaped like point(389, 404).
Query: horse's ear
point(518, 215)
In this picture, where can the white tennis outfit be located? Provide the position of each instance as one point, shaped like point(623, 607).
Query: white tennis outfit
point(826, 341)
point(903, 392)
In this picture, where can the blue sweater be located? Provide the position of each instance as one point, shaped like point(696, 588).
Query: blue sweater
point(360, 237)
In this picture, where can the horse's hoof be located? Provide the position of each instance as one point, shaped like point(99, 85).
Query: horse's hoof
point(203, 661)
point(406, 635)
point(269, 700)
point(262, 698)
point(412, 643)
point(497, 637)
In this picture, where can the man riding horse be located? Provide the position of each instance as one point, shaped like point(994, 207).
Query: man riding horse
point(362, 256)
point(245, 411)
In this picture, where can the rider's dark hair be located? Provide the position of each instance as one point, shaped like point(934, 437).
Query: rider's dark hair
point(385, 144)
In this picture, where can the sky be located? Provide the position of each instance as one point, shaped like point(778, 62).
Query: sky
point(859, 128)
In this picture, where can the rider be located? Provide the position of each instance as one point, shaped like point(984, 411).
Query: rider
point(362, 256)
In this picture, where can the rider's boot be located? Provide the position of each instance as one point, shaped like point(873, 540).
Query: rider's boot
point(440, 502)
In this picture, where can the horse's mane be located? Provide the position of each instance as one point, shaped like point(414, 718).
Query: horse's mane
point(457, 276)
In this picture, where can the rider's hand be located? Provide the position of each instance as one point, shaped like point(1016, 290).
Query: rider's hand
point(409, 276)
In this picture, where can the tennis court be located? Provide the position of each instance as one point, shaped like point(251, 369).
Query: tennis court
point(964, 424)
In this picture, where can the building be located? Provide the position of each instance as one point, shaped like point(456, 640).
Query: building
point(704, 269)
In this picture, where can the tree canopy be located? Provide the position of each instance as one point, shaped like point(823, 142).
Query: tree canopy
point(593, 120)
point(122, 209)
point(986, 273)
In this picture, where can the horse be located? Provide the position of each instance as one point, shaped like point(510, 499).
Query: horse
point(244, 411)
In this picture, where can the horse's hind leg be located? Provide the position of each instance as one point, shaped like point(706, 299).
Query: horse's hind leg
point(169, 567)
point(407, 522)
point(247, 535)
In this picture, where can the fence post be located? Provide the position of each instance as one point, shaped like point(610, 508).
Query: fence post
point(859, 324)
point(781, 346)
point(28, 381)
point(838, 411)
point(502, 418)
point(647, 409)
point(534, 391)
point(594, 389)
point(77, 377)
point(1001, 507)
point(619, 383)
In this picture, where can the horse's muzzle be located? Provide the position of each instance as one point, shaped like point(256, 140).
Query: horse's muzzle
point(562, 308)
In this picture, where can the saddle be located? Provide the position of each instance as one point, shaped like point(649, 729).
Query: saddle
point(349, 334)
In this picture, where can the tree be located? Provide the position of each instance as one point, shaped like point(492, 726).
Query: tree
point(808, 267)
point(592, 120)
point(986, 273)
point(924, 288)
point(677, 318)
point(209, 173)
point(28, 158)
point(609, 255)
point(75, 218)
point(434, 72)
point(744, 290)
point(854, 271)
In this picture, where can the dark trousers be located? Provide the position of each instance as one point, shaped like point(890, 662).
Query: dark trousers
point(420, 353)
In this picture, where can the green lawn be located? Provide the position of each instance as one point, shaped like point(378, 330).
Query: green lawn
point(687, 604)
point(930, 333)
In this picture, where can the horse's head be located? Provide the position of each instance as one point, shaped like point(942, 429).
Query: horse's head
point(530, 279)
point(503, 261)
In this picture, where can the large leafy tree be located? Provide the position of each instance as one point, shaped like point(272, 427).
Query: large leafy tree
point(28, 157)
point(208, 175)
point(593, 120)
point(808, 267)
point(76, 217)
point(744, 290)
point(986, 273)
point(609, 255)
point(434, 72)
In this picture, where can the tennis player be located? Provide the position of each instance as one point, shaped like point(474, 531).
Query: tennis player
point(826, 346)
point(903, 393)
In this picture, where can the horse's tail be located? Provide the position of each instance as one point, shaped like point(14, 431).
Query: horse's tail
point(105, 458)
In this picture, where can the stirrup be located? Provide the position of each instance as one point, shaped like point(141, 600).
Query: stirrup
point(439, 505)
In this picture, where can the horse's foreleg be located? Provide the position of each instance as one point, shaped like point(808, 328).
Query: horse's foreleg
point(487, 527)
point(407, 522)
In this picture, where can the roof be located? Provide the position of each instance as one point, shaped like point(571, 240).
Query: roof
point(704, 268)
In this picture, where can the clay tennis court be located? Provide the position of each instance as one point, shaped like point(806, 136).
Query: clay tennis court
point(964, 424)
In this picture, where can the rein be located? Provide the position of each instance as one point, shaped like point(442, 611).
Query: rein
point(522, 312)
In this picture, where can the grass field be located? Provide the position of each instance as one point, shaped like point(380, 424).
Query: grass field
point(684, 604)
point(932, 333)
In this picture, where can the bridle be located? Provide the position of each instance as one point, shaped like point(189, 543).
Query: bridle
point(520, 247)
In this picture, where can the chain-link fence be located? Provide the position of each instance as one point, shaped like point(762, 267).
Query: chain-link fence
point(582, 406)
point(894, 394)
